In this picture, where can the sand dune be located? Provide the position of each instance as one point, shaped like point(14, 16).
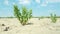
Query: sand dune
point(42, 26)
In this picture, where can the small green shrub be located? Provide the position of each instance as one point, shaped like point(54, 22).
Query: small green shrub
point(53, 18)
point(24, 15)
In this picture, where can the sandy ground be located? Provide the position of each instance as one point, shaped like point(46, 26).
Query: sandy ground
point(36, 26)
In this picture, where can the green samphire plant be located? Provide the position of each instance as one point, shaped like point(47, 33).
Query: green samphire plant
point(24, 15)
point(53, 18)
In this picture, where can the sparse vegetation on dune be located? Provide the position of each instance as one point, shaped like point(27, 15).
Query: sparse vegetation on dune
point(29, 17)
point(53, 18)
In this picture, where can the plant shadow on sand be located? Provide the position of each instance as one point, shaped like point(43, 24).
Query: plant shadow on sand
point(29, 24)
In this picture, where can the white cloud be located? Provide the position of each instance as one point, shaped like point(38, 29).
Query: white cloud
point(53, 1)
point(6, 2)
point(52, 11)
point(44, 3)
point(38, 1)
point(24, 2)
point(13, 3)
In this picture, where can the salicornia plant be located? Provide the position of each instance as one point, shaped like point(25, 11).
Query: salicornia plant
point(53, 18)
point(23, 15)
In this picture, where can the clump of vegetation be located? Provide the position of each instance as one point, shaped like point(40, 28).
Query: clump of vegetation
point(6, 29)
point(24, 15)
point(53, 18)
point(3, 24)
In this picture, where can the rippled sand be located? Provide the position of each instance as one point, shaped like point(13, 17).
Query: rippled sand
point(35, 26)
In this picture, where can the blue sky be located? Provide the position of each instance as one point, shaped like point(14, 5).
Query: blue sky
point(39, 7)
